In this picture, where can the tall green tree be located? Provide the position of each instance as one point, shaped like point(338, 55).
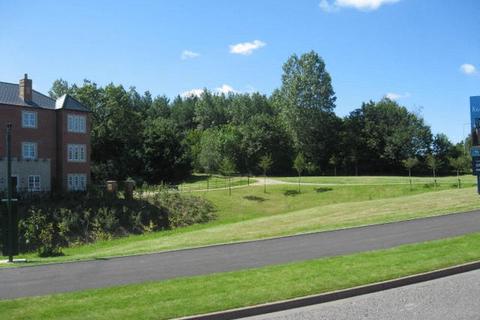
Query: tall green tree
point(163, 155)
point(306, 101)
point(443, 149)
point(383, 134)
point(210, 110)
point(59, 88)
point(210, 154)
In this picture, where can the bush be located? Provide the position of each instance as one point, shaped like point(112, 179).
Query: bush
point(41, 233)
point(46, 225)
point(184, 210)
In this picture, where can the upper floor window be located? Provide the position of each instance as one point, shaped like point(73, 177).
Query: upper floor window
point(29, 119)
point(77, 152)
point(29, 150)
point(76, 123)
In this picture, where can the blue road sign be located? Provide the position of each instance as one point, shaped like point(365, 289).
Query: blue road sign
point(475, 112)
point(475, 151)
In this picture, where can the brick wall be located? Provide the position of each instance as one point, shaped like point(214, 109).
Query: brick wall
point(52, 138)
point(44, 135)
point(65, 138)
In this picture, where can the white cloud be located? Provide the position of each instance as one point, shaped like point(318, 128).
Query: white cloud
point(197, 92)
point(363, 5)
point(468, 68)
point(226, 89)
point(192, 93)
point(187, 54)
point(396, 96)
point(246, 48)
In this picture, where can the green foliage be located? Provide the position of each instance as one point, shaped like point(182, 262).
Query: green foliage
point(265, 163)
point(227, 167)
point(47, 225)
point(460, 164)
point(306, 101)
point(409, 164)
point(154, 139)
point(432, 162)
point(299, 164)
point(41, 233)
point(210, 151)
point(163, 153)
point(378, 136)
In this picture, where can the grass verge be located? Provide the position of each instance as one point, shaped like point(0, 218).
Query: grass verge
point(252, 202)
point(362, 180)
point(322, 218)
point(202, 294)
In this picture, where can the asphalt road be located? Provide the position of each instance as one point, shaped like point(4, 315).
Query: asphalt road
point(450, 298)
point(47, 279)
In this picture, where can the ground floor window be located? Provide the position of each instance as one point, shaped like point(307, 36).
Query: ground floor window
point(33, 183)
point(77, 182)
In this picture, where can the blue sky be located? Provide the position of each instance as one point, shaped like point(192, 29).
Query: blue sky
point(413, 50)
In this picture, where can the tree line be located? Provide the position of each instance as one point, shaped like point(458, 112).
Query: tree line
point(157, 139)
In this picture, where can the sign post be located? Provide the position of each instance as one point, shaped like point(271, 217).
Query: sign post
point(475, 131)
point(10, 222)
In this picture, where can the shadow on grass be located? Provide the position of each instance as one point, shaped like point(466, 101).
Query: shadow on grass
point(321, 190)
point(291, 193)
point(255, 198)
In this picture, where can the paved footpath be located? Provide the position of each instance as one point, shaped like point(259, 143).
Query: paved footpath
point(450, 298)
point(47, 279)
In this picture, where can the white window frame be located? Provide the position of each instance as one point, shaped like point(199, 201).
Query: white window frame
point(30, 155)
point(29, 119)
point(76, 182)
point(76, 123)
point(77, 152)
point(36, 183)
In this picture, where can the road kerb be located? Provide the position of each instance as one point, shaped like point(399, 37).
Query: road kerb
point(335, 295)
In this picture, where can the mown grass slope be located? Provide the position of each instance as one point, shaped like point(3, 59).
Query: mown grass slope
point(318, 218)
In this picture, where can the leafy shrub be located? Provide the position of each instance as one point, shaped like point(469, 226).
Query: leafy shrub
point(41, 233)
point(46, 224)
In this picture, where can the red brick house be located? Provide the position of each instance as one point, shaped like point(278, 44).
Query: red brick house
point(50, 139)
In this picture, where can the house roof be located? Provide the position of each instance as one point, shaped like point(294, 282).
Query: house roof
point(9, 94)
point(68, 102)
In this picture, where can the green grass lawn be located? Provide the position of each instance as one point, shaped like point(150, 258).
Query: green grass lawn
point(468, 179)
point(200, 182)
point(202, 294)
point(203, 182)
point(252, 202)
point(326, 216)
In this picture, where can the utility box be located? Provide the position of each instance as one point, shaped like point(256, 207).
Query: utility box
point(112, 187)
